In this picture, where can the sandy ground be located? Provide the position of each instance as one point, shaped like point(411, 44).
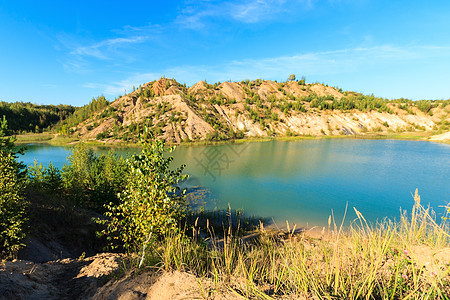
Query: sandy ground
point(103, 277)
point(100, 277)
point(444, 137)
point(60, 279)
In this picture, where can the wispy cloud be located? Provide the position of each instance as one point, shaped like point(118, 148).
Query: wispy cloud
point(104, 49)
point(120, 46)
point(80, 55)
point(246, 11)
point(262, 10)
point(316, 64)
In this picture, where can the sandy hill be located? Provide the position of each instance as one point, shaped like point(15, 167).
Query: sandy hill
point(255, 108)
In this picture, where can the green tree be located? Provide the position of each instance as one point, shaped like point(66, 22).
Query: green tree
point(302, 81)
point(12, 205)
point(291, 77)
point(151, 204)
point(6, 141)
point(424, 105)
point(92, 180)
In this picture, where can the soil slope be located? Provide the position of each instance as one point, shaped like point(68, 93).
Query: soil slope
point(252, 109)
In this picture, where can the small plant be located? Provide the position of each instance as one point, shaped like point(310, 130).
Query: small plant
point(101, 136)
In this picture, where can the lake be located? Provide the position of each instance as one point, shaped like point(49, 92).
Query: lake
point(303, 181)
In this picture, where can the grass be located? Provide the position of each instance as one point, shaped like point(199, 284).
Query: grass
point(34, 138)
point(60, 140)
point(388, 260)
point(48, 138)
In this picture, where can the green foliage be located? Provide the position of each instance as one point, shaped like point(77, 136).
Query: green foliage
point(84, 112)
point(101, 135)
point(7, 146)
point(93, 180)
point(33, 118)
point(146, 93)
point(12, 205)
point(46, 179)
point(302, 81)
point(151, 204)
point(274, 116)
point(424, 106)
point(361, 102)
point(6, 141)
point(407, 108)
point(291, 77)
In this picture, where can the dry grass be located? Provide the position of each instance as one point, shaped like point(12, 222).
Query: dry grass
point(405, 260)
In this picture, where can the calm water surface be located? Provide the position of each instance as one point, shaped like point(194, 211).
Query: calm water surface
point(303, 181)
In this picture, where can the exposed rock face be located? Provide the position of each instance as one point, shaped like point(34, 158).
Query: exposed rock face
point(159, 87)
point(177, 113)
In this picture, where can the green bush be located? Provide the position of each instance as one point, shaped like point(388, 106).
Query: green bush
point(424, 105)
point(101, 136)
point(47, 179)
point(151, 204)
point(93, 180)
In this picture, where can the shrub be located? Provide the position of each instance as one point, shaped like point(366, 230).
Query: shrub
point(302, 81)
point(151, 203)
point(93, 180)
point(101, 136)
point(47, 179)
point(424, 105)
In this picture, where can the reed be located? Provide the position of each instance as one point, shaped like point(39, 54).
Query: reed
point(409, 259)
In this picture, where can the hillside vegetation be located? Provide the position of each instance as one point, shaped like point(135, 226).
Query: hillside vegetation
point(258, 108)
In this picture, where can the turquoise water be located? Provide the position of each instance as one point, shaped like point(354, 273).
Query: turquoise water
point(303, 181)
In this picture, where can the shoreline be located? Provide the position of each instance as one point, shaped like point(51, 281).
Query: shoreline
point(58, 140)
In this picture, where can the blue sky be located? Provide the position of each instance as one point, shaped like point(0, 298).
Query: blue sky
point(55, 52)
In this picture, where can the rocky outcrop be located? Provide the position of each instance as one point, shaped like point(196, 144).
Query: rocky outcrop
point(256, 108)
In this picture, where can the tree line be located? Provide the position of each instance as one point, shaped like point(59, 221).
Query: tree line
point(29, 117)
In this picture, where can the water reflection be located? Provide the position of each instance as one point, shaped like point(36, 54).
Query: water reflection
point(305, 180)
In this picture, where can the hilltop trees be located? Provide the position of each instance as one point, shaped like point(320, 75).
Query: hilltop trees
point(302, 81)
point(83, 113)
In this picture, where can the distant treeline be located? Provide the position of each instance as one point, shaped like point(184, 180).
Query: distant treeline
point(31, 117)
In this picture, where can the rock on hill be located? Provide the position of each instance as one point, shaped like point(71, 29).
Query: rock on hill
point(254, 108)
